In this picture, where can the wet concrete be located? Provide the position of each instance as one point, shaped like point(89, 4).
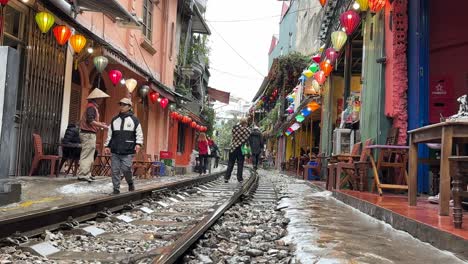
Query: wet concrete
point(326, 231)
point(42, 193)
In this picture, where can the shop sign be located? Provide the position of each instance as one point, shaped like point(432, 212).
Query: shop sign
point(441, 86)
point(165, 154)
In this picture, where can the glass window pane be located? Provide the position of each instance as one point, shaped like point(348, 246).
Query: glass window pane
point(12, 21)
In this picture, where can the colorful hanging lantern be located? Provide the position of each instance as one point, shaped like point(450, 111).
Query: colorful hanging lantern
point(62, 34)
point(100, 62)
point(308, 73)
point(164, 102)
point(180, 117)
point(131, 85)
point(363, 4)
point(300, 118)
point(153, 96)
point(320, 77)
point(350, 21)
point(193, 124)
point(314, 67)
point(115, 76)
point(305, 112)
point(290, 130)
point(198, 127)
point(326, 67)
point(317, 58)
point(78, 42)
point(316, 86)
point(296, 126)
point(143, 91)
point(332, 55)
point(4, 2)
point(44, 21)
point(323, 2)
point(313, 106)
point(338, 39)
point(376, 5)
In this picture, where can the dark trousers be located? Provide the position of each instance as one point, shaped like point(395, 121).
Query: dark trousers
point(203, 163)
point(255, 160)
point(216, 162)
point(234, 156)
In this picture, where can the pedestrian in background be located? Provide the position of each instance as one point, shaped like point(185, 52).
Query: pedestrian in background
point(240, 136)
point(214, 152)
point(89, 126)
point(256, 145)
point(124, 139)
point(203, 152)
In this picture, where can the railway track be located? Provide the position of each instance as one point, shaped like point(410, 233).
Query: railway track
point(150, 226)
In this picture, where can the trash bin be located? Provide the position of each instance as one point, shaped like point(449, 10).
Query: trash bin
point(310, 174)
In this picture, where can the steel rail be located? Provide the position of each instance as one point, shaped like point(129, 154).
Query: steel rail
point(181, 245)
point(35, 222)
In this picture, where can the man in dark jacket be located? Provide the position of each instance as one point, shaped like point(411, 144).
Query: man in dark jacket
point(256, 145)
point(240, 135)
point(124, 139)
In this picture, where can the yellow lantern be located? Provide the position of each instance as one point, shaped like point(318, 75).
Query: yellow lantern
point(78, 42)
point(338, 39)
point(45, 21)
point(131, 84)
point(313, 106)
point(316, 86)
point(308, 73)
point(363, 4)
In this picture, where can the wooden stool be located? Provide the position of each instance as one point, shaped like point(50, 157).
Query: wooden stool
point(459, 184)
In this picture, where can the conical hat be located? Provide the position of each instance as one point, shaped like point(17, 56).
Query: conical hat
point(97, 93)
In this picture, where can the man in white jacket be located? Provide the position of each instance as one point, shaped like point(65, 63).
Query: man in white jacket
point(124, 139)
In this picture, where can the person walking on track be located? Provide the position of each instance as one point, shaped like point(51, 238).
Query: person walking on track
point(89, 126)
point(240, 136)
point(256, 144)
point(203, 152)
point(124, 139)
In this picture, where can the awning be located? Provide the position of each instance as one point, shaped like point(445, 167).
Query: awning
point(261, 90)
point(219, 95)
point(198, 22)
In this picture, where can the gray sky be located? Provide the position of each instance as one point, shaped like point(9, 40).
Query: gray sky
point(250, 39)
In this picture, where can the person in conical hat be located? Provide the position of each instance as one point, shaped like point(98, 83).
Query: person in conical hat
point(89, 126)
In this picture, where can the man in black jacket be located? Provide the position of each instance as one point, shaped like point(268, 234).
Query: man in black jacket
point(256, 145)
point(124, 139)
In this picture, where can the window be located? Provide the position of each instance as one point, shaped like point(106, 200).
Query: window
point(181, 138)
point(148, 19)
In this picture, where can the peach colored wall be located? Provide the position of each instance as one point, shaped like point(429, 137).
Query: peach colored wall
point(161, 65)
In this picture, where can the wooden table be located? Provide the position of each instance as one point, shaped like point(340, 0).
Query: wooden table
point(389, 156)
point(444, 133)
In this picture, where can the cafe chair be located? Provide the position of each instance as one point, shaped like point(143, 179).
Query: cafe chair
point(39, 156)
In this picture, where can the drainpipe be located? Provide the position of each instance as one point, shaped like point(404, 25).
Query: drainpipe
point(348, 71)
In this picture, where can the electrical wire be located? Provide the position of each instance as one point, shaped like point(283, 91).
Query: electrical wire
point(235, 51)
point(261, 18)
point(234, 75)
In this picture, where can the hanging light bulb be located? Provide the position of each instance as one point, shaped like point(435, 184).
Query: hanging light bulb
point(338, 38)
point(122, 81)
point(90, 50)
point(356, 6)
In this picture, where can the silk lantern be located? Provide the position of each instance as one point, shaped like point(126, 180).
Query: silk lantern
point(313, 106)
point(62, 34)
point(44, 21)
point(350, 21)
point(316, 86)
point(376, 5)
point(78, 42)
point(308, 73)
point(193, 124)
point(320, 77)
point(314, 67)
point(323, 2)
point(338, 38)
point(317, 58)
point(198, 127)
point(326, 67)
point(115, 76)
point(4, 2)
point(164, 102)
point(143, 91)
point(300, 118)
point(305, 112)
point(363, 4)
point(131, 85)
point(332, 54)
point(100, 62)
point(153, 96)
point(296, 126)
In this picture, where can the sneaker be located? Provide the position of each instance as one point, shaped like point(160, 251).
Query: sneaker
point(131, 187)
point(114, 192)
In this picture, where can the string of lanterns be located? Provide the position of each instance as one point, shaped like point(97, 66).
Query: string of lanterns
point(187, 120)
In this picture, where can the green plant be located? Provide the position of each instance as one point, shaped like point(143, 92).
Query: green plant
point(209, 115)
point(199, 49)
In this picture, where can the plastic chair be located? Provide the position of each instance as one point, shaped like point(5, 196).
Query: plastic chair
point(39, 156)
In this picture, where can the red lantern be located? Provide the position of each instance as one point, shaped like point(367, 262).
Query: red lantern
point(317, 58)
point(323, 2)
point(62, 34)
point(326, 67)
point(350, 20)
point(180, 117)
point(153, 96)
point(189, 120)
point(332, 54)
point(320, 77)
point(115, 76)
point(4, 2)
point(164, 102)
point(198, 127)
point(376, 5)
point(193, 124)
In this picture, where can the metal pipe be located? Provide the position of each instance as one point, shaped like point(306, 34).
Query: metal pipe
point(64, 6)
